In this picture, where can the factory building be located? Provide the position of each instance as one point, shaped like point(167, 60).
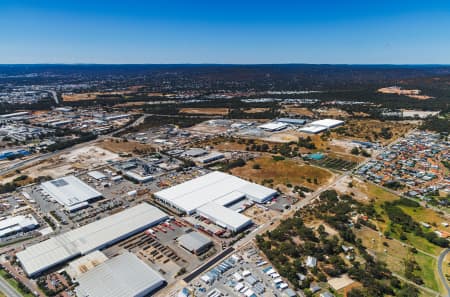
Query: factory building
point(122, 276)
point(94, 236)
point(215, 186)
point(15, 224)
point(224, 217)
point(273, 126)
point(195, 242)
point(210, 195)
point(321, 125)
point(70, 192)
point(291, 121)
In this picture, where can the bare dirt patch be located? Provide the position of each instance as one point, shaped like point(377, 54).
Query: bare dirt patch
point(208, 111)
point(120, 146)
point(412, 93)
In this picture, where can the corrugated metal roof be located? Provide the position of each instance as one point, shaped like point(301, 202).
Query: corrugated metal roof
point(223, 216)
point(85, 239)
point(69, 190)
point(192, 194)
point(193, 241)
point(122, 276)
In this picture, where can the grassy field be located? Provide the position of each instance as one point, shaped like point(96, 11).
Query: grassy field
point(394, 254)
point(370, 130)
point(283, 172)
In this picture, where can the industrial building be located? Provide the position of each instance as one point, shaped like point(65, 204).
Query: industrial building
point(216, 186)
point(273, 126)
point(70, 192)
point(291, 121)
point(12, 225)
point(210, 157)
point(210, 195)
point(94, 236)
point(195, 242)
point(321, 125)
point(122, 276)
point(97, 175)
point(224, 217)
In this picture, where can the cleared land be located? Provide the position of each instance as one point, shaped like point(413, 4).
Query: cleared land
point(284, 172)
point(372, 130)
point(208, 111)
point(414, 93)
point(120, 146)
point(301, 111)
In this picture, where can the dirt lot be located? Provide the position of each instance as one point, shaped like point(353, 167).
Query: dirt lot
point(283, 172)
point(301, 111)
point(332, 112)
point(120, 146)
point(256, 110)
point(209, 111)
point(415, 94)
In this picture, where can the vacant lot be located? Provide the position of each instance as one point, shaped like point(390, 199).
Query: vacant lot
point(256, 110)
point(208, 111)
point(284, 172)
point(300, 111)
point(415, 94)
point(120, 146)
point(393, 253)
point(373, 130)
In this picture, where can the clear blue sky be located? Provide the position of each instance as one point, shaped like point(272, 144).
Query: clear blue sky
point(228, 31)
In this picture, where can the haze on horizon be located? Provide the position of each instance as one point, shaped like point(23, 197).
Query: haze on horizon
point(231, 32)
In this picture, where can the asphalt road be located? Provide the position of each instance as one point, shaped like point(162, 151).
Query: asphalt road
point(441, 273)
point(6, 289)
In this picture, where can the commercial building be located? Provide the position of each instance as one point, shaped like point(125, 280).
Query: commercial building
point(12, 225)
point(94, 236)
point(216, 186)
point(122, 276)
point(70, 192)
point(195, 242)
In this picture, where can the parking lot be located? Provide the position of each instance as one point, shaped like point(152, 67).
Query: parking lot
point(242, 274)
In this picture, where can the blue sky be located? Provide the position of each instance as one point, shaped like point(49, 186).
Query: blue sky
point(164, 31)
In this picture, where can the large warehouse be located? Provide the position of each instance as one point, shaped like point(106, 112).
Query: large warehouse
point(70, 192)
point(210, 194)
point(97, 235)
point(15, 224)
point(321, 125)
point(122, 276)
point(216, 186)
point(195, 242)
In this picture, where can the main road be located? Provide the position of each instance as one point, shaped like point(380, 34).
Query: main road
point(7, 289)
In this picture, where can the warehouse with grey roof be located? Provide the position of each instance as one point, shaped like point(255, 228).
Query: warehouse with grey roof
point(122, 276)
point(94, 236)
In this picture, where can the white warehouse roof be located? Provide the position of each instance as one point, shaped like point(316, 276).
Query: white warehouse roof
point(190, 195)
point(17, 223)
point(93, 236)
point(329, 123)
point(313, 129)
point(224, 217)
point(70, 191)
point(122, 276)
point(273, 126)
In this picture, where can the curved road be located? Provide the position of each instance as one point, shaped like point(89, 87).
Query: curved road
point(441, 273)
